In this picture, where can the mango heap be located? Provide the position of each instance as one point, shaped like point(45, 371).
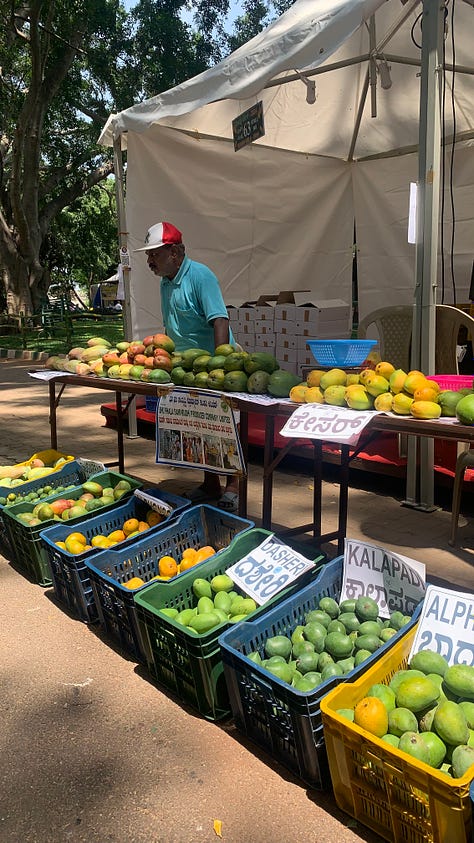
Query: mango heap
point(216, 602)
point(387, 389)
point(76, 543)
point(14, 475)
point(333, 640)
point(92, 496)
point(426, 710)
point(154, 360)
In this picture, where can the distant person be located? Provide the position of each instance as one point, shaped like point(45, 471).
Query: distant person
point(194, 316)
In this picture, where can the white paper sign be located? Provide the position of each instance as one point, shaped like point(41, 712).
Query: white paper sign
point(447, 625)
point(395, 582)
point(195, 428)
point(154, 503)
point(332, 424)
point(268, 569)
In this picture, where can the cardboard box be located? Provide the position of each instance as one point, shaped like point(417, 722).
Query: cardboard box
point(282, 326)
point(331, 318)
point(265, 342)
point(264, 326)
point(286, 355)
point(286, 342)
point(246, 312)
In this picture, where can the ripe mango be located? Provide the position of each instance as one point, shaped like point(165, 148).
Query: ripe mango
point(352, 379)
point(75, 353)
point(397, 380)
point(335, 377)
point(377, 385)
point(384, 402)
point(335, 395)
point(314, 395)
point(413, 381)
point(385, 369)
point(357, 398)
point(425, 410)
point(314, 377)
point(94, 352)
point(366, 375)
point(98, 341)
point(401, 404)
point(92, 487)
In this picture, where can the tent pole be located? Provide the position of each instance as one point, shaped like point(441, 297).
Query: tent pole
point(429, 155)
point(122, 238)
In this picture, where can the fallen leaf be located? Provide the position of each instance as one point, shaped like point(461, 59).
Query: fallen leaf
point(218, 827)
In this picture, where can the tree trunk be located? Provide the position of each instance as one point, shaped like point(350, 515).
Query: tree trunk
point(15, 278)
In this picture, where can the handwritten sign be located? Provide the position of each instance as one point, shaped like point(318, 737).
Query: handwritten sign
point(268, 569)
point(447, 625)
point(154, 503)
point(333, 424)
point(396, 583)
point(248, 126)
point(196, 429)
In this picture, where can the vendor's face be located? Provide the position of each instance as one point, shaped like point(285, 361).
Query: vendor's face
point(162, 261)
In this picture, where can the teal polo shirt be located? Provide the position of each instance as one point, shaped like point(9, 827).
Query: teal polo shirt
point(189, 303)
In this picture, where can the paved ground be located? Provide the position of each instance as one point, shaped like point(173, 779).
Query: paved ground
point(90, 750)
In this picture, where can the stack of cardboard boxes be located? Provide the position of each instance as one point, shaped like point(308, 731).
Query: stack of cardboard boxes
point(282, 323)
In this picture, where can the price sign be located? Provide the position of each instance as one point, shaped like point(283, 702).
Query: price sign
point(447, 625)
point(268, 569)
point(248, 126)
point(154, 503)
point(396, 583)
point(332, 424)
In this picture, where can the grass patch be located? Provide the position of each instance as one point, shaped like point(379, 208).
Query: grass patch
point(64, 337)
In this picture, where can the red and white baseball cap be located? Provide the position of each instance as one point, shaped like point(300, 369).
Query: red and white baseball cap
point(161, 234)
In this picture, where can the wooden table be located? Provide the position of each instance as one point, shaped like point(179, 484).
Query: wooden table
point(434, 429)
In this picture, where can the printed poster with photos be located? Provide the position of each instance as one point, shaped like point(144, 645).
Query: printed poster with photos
point(196, 429)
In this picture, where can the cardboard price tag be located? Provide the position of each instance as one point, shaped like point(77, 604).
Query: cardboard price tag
point(332, 424)
point(269, 568)
point(446, 625)
point(395, 582)
point(154, 503)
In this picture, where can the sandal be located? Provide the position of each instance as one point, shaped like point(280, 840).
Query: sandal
point(229, 502)
point(199, 495)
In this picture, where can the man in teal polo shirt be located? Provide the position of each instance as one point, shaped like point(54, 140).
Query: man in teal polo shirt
point(194, 316)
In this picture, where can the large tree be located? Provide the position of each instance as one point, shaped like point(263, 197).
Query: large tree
point(65, 65)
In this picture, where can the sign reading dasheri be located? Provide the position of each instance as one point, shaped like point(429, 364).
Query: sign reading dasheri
point(395, 582)
point(196, 429)
point(268, 569)
point(446, 625)
point(333, 424)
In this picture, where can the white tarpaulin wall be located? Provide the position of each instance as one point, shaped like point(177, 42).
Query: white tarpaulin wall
point(263, 219)
point(279, 214)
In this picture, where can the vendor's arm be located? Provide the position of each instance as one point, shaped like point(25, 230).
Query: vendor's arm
point(221, 331)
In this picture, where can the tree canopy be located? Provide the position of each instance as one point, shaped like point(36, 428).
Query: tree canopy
point(65, 66)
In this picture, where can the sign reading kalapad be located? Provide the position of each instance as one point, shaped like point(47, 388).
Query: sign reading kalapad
point(395, 582)
point(268, 569)
point(446, 625)
point(196, 429)
point(332, 424)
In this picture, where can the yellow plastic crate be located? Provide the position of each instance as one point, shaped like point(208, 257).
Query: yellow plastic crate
point(401, 799)
point(48, 456)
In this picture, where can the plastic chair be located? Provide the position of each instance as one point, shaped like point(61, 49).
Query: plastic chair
point(449, 321)
point(394, 329)
point(464, 460)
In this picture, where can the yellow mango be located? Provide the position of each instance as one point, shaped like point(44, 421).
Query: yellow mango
point(314, 395)
point(357, 398)
point(334, 377)
point(401, 404)
point(425, 410)
point(366, 375)
point(413, 381)
point(397, 380)
point(376, 385)
point(384, 402)
point(352, 379)
point(385, 369)
point(314, 377)
point(335, 395)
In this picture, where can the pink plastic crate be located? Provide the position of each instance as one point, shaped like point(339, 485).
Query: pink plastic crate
point(454, 382)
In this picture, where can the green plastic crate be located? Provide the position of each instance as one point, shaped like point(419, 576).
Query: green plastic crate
point(186, 663)
point(25, 541)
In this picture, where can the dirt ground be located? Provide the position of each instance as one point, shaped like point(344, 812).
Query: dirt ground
point(91, 750)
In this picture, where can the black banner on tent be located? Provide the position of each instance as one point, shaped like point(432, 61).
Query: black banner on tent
point(248, 126)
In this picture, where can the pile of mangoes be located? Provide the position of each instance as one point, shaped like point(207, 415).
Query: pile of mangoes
point(387, 389)
point(154, 360)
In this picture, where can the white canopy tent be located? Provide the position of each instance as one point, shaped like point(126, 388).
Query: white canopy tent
point(393, 104)
point(280, 213)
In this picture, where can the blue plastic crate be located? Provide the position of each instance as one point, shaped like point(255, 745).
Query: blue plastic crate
point(189, 663)
point(340, 352)
point(25, 540)
point(109, 570)
point(150, 403)
point(69, 574)
point(287, 723)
